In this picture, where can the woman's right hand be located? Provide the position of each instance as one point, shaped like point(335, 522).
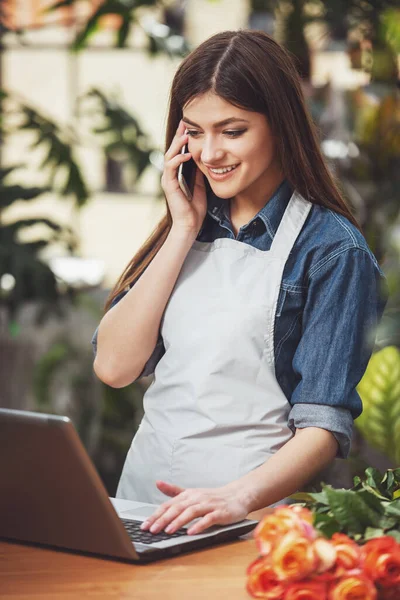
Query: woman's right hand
point(187, 215)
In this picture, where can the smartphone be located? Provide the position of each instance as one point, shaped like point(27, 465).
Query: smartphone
point(187, 175)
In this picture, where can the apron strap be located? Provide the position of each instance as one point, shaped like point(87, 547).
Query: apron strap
point(290, 226)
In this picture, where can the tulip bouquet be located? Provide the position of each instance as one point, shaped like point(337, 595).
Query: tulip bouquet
point(296, 563)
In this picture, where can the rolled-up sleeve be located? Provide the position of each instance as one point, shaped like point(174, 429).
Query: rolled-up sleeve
point(346, 296)
point(156, 355)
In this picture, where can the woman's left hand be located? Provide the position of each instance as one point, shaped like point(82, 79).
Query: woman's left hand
point(214, 506)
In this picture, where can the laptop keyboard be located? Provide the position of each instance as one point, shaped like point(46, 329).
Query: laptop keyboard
point(145, 537)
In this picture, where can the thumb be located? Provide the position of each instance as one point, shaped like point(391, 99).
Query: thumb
point(169, 489)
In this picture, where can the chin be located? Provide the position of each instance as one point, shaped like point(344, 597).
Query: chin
point(223, 191)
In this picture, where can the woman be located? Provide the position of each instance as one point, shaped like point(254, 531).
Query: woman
point(253, 303)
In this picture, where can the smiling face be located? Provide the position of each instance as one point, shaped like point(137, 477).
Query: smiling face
point(222, 136)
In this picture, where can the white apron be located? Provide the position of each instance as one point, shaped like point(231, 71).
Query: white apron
point(215, 410)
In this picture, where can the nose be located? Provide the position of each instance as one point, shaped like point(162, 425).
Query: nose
point(211, 152)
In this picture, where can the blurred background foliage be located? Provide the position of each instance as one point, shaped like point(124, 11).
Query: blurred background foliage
point(360, 137)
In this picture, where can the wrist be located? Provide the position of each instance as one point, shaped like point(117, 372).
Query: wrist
point(181, 233)
point(245, 494)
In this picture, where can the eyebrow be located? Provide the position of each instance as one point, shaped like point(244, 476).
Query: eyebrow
point(219, 124)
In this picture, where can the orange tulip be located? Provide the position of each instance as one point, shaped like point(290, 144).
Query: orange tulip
point(284, 519)
point(382, 561)
point(294, 557)
point(355, 587)
point(262, 581)
point(307, 590)
point(348, 554)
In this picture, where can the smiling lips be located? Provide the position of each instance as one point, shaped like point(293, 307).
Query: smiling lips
point(222, 173)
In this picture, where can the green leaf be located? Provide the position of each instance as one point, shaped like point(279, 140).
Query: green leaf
point(350, 510)
point(387, 522)
point(373, 532)
point(123, 31)
point(57, 145)
point(379, 422)
point(373, 477)
point(392, 509)
point(302, 497)
point(394, 534)
point(5, 171)
point(372, 491)
point(314, 497)
point(372, 500)
point(389, 481)
point(326, 524)
point(11, 193)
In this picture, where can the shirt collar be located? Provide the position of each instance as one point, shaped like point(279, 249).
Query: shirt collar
point(271, 214)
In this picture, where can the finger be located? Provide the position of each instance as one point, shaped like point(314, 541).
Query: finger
point(155, 516)
point(181, 128)
point(187, 515)
point(165, 506)
point(176, 146)
point(169, 516)
point(172, 165)
point(170, 169)
point(211, 518)
point(169, 489)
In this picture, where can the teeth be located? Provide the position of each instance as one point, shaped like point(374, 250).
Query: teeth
point(226, 170)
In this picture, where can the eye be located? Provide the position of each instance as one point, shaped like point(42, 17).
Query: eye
point(235, 132)
point(232, 133)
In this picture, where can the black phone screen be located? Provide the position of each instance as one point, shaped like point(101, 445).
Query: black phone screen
point(189, 172)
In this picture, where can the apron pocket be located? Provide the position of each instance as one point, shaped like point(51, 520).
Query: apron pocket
point(205, 462)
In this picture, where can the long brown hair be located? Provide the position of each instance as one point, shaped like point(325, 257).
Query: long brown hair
point(252, 71)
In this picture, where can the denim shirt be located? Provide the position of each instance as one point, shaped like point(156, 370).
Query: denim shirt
point(331, 299)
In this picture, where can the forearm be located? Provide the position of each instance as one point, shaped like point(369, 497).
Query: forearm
point(128, 332)
point(289, 469)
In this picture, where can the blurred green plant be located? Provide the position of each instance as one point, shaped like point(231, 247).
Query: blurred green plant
point(24, 276)
point(161, 38)
point(124, 142)
point(122, 137)
point(379, 390)
point(111, 421)
point(106, 418)
point(22, 264)
point(61, 384)
point(375, 126)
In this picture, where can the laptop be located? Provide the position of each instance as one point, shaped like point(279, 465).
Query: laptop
point(51, 494)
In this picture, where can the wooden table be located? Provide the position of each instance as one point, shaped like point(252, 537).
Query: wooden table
point(213, 573)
